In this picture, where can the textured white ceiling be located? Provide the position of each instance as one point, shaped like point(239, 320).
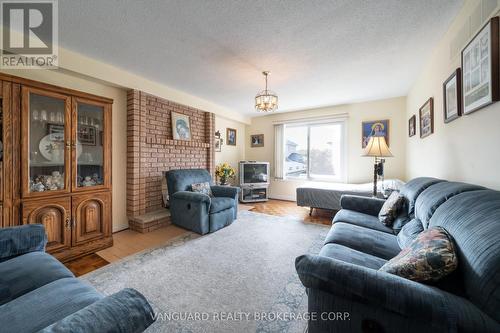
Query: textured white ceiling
point(319, 52)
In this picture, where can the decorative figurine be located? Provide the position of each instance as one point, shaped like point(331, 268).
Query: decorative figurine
point(88, 181)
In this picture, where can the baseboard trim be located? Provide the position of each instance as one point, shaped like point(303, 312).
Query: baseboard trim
point(120, 227)
point(283, 197)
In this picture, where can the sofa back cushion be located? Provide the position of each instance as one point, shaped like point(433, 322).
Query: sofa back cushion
point(181, 180)
point(435, 195)
point(409, 232)
point(412, 190)
point(473, 220)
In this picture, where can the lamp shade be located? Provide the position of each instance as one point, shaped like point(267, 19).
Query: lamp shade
point(377, 147)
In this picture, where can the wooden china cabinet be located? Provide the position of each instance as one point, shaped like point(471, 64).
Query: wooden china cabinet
point(59, 165)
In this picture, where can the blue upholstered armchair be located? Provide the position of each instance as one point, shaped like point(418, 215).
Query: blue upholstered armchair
point(39, 294)
point(197, 211)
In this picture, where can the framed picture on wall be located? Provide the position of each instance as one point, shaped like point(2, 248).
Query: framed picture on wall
point(374, 128)
point(412, 126)
point(257, 140)
point(480, 65)
point(231, 137)
point(181, 126)
point(426, 114)
point(218, 144)
point(452, 97)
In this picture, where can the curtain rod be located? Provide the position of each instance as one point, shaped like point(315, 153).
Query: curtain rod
point(336, 116)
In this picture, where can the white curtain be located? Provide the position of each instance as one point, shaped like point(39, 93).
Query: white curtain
point(279, 150)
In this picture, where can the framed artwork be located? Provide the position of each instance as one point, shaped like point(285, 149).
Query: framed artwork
point(480, 65)
point(412, 126)
point(87, 135)
point(426, 114)
point(231, 137)
point(257, 140)
point(374, 128)
point(218, 144)
point(181, 126)
point(452, 97)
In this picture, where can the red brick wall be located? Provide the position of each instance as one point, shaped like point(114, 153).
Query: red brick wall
point(152, 150)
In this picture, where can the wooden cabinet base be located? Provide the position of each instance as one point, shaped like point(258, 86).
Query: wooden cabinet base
point(82, 250)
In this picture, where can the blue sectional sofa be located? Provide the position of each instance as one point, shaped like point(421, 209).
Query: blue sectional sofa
point(38, 293)
point(199, 212)
point(344, 277)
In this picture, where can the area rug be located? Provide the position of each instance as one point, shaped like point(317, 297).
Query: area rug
point(239, 279)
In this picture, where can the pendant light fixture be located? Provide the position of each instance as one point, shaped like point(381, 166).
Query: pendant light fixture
point(266, 100)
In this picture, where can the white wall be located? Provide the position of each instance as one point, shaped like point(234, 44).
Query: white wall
point(359, 169)
point(231, 154)
point(465, 149)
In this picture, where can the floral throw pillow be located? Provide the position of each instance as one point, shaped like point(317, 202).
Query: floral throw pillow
point(390, 209)
point(430, 257)
point(202, 188)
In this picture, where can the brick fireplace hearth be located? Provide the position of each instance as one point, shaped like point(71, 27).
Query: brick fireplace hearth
point(152, 151)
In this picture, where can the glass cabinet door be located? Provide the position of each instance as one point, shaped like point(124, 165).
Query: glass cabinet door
point(45, 142)
point(90, 145)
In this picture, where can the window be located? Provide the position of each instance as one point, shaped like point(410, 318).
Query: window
point(314, 151)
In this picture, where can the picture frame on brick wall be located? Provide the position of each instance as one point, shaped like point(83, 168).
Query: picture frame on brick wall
point(181, 127)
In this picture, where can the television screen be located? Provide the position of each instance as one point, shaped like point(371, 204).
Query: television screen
point(255, 173)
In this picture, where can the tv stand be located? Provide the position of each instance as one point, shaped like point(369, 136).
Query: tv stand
point(253, 193)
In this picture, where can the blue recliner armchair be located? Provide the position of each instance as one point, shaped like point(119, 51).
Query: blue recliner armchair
point(199, 212)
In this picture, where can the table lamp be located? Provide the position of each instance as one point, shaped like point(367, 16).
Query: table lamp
point(377, 147)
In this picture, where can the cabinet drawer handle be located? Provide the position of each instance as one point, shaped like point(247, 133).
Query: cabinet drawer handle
point(67, 223)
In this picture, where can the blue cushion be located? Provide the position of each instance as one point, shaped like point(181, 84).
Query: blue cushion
point(412, 190)
point(46, 305)
point(221, 203)
point(22, 239)
point(473, 220)
point(360, 219)
point(351, 256)
point(373, 242)
point(28, 272)
point(434, 196)
point(181, 180)
point(125, 311)
point(409, 232)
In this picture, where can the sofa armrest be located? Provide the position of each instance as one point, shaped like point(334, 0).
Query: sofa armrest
point(395, 294)
point(127, 311)
point(191, 196)
point(15, 241)
point(365, 205)
point(225, 191)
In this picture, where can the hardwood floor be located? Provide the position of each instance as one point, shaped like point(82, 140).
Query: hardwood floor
point(128, 242)
point(86, 264)
point(290, 208)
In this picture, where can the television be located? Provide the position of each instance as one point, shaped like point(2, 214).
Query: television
point(254, 173)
